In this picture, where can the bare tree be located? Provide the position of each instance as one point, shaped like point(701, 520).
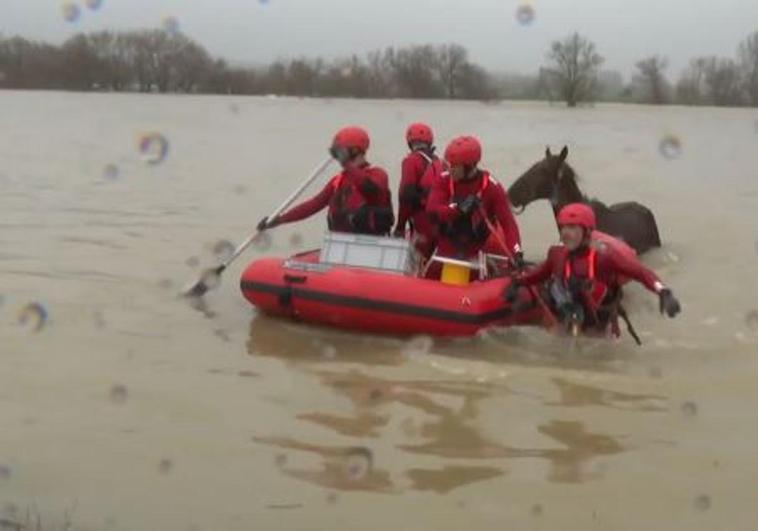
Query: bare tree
point(723, 82)
point(573, 68)
point(691, 88)
point(652, 80)
point(748, 55)
point(452, 59)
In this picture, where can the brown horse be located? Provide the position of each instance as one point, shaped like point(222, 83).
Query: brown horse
point(554, 179)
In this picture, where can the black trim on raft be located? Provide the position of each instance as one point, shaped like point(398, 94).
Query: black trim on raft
point(370, 304)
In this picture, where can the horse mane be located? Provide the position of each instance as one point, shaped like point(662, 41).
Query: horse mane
point(569, 173)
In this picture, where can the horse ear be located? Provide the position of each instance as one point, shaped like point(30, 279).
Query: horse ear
point(564, 153)
point(547, 152)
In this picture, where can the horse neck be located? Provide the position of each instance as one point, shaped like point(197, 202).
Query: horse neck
point(568, 192)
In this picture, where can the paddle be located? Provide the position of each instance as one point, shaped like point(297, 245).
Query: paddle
point(533, 292)
point(211, 278)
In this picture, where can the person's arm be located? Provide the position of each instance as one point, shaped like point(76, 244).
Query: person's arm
point(408, 192)
point(538, 274)
point(309, 207)
point(502, 209)
point(634, 269)
point(439, 205)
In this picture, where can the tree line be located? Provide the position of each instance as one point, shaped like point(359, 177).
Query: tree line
point(164, 61)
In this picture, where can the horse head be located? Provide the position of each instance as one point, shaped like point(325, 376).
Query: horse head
point(541, 181)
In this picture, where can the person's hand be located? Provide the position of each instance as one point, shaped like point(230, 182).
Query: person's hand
point(668, 303)
point(368, 187)
point(399, 232)
point(266, 224)
point(468, 205)
point(510, 294)
point(518, 260)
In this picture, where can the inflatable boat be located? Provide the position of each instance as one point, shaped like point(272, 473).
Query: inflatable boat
point(372, 284)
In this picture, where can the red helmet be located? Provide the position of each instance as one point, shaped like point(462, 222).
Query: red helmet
point(577, 214)
point(464, 150)
point(352, 138)
point(419, 132)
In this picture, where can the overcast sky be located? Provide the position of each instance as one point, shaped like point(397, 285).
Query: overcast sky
point(254, 31)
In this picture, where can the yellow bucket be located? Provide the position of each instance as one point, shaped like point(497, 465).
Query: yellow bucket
point(457, 275)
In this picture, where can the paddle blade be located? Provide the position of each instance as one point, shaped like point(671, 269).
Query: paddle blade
point(210, 279)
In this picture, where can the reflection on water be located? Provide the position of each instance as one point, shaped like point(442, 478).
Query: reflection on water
point(445, 424)
point(575, 395)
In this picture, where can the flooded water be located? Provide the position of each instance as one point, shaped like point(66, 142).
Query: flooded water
point(122, 407)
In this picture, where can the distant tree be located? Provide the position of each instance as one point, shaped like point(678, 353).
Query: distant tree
point(748, 56)
point(451, 63)
point(691, 88)
point(571, 73)
point(652, 80)
point(723, 81)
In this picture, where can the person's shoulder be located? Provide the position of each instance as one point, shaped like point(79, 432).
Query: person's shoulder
point(556, 251)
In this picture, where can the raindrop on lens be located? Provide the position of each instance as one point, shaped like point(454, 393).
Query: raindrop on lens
point(296, 240)
point(165, 466)
point(223, 250)
point(153, 148)
point(670, 147)
point(263, 241)
point(192, 261)
point(5, 472)
point(751, 319)
point(689, 409)
point(71, 12)
point(358, 463)
point(525, 14)
point(111, 172)
point(702, 502)
point(118, 394)
point(93, 5)
point(171, 25)
point(33, 316)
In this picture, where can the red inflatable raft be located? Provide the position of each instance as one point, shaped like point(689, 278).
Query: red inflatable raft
point(367, 300)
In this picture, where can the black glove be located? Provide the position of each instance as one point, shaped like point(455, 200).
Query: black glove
point(266, 224)
point(468, 205)
point(518, 260)
point(340, 154)
point(368, 187)
point(510, 294)
point(668, 303)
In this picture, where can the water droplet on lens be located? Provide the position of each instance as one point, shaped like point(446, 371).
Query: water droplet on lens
point(223, 249)
point(702, 502)
point(166, 283)
point(165, 466)
point(192, 261)
point(118, 394)
point(537, 509)
point(280, 460)
point(71, 12)
point(525, 14)
point(33, 316)
point(296, 240)
point(171, 25)
point(751, 319)
point(93, 5)
point(358, 463)
point(234, 108)
point(153, 148)
point(5, 472)
point(655, 372)
point(689, 409)
point(263, 241)
point(240, 189)
point(670, 147)
point(111, 172)
point(332, 498)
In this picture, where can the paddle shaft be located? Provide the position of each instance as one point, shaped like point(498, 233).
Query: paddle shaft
point(509, 254)
point(287, 202)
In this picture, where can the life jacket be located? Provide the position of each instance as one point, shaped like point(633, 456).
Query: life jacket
point(419, 194)
point(593, 291)
point(468, 230)
point(350, 211)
